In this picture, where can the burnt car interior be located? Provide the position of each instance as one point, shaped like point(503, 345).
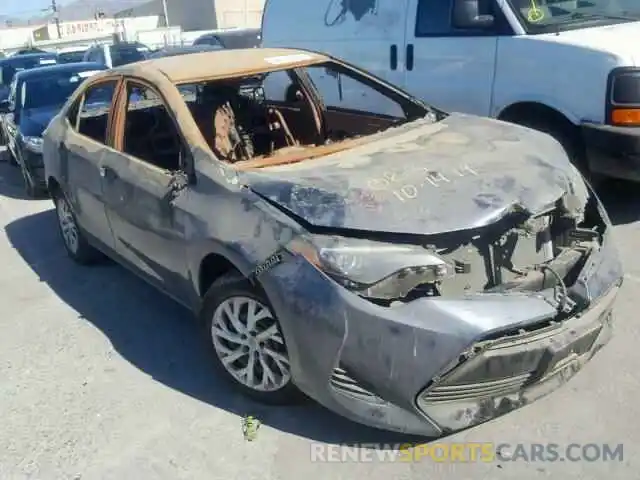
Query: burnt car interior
point(278, 117)
point(274, 118)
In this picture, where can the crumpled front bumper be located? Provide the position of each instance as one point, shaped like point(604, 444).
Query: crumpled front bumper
point(435, 365)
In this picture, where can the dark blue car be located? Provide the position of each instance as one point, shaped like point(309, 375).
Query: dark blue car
point(36, 96)
point(11, 65)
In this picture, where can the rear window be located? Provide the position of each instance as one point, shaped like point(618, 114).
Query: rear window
point(123, 55)
point(208, 40)
point(71, 57)
point(9, 70)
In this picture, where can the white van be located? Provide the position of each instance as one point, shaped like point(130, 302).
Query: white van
point(569, 68)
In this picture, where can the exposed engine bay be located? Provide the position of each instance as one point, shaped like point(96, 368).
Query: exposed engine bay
point(542, 253)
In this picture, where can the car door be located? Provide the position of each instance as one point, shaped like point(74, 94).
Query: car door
point(85, 141)
point(142, 185)
point(450, 62)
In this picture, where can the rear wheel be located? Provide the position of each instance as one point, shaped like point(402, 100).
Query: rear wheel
point(247, 343)
point(75, 243)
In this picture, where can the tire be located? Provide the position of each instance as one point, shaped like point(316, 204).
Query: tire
point(79, 250)
point(227, 337)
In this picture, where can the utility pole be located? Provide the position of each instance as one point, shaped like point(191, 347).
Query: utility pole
point(56, 17)
point(166, 12)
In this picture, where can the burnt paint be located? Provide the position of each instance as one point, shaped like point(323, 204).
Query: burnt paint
point(423, 178)
point(321, 322)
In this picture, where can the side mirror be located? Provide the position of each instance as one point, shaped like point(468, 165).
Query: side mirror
point(467, 15)
point(5, 106)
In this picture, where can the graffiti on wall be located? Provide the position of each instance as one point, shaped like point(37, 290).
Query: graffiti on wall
point(338, 10)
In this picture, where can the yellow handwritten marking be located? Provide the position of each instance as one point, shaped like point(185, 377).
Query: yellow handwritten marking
point(535, 13)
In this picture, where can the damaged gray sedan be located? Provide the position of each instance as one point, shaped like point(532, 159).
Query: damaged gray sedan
point(411, 270)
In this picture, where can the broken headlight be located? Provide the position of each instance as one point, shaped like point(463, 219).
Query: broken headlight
point(372, 269)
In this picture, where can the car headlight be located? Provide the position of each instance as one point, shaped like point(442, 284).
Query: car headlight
point(623, 98)
point(372, 269)
point(33, 143)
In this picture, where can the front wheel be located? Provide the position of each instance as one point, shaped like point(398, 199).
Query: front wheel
point(75, 243)
point(248, 345)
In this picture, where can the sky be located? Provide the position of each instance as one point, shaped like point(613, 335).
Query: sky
point(23, 7)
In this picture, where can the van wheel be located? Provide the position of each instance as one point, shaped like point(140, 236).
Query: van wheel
point(75, 243)
point(246, 341)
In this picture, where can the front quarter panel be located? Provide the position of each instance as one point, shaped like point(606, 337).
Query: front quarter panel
point(229, 220)
point(527, 71)
point(51, 139)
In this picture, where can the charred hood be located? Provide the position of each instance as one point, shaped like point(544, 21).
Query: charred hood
point(424, 178)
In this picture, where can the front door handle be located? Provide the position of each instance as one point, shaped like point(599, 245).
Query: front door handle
point(103, 172)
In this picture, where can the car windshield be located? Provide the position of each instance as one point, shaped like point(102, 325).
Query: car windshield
point(545, 16)
point(52, 90)
point(125, 54)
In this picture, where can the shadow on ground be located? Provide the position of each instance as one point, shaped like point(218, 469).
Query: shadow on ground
point(11, 181)
point(159, 337)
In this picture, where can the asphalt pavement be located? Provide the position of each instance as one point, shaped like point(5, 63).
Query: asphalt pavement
point(102, 377)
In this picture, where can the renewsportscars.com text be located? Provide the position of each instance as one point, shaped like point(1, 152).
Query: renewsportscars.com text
point(482, 452)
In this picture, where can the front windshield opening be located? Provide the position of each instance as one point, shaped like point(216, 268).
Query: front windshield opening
point(285, 116)
point(548, 16)
point(52, 90)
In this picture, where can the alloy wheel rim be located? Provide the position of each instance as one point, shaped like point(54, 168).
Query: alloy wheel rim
point(68, 225)
point(249, 344)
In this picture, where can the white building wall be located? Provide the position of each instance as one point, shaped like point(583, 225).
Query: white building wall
point(239, 13)
point(205, 14)
point(16, 37)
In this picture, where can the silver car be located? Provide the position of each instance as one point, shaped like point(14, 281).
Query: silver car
point(409, 269)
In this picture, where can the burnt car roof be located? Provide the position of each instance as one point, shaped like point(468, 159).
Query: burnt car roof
point(223, 63)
